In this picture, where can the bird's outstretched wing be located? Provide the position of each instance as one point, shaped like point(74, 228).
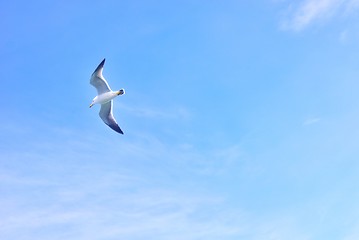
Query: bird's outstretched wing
point(107, 116)
point(98, 81)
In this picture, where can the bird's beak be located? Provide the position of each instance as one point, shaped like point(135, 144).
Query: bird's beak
point(91, 105)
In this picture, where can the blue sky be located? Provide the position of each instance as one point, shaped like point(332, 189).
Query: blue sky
point(241, 120)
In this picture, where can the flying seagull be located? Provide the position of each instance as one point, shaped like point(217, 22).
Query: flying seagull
point(104, 97)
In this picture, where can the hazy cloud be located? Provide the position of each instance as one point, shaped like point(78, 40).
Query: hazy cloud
point(176, 112)
point(300, 16)
point(311, 121)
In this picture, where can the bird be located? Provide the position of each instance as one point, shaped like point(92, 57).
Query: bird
point(105, 97)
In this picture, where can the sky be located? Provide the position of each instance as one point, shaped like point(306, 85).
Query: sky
point(241, 120)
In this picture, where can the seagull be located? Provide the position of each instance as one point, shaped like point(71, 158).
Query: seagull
point(104, 97)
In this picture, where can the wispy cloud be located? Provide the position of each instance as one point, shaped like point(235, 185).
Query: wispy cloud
point(353, 234)
point(176, 112)
point(112, 214)
point(311, 121)
point(102, 208)
point(96, 193)
point(109, 204)
point(80, 185)
point(307, 12)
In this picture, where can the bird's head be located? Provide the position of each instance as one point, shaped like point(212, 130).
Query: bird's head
point(121, 91)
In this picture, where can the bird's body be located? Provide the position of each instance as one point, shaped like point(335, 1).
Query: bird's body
point(104, 97)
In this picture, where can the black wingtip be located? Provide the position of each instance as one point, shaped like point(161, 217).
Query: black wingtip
point(118, 130)
point(115, 127)
point(100, 65)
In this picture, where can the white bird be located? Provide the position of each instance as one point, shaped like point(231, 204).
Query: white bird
point(104, 97)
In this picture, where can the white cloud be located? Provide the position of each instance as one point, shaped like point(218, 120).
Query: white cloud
point(72, 191)
point(310, 11)
point(97, 209)
point(353, 234)
point(311, 121)
point(76, 185)
point(176, 112)
point(97, 188)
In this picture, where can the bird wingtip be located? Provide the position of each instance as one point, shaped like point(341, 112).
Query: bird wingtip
point(100, 66)
point(116, 128)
